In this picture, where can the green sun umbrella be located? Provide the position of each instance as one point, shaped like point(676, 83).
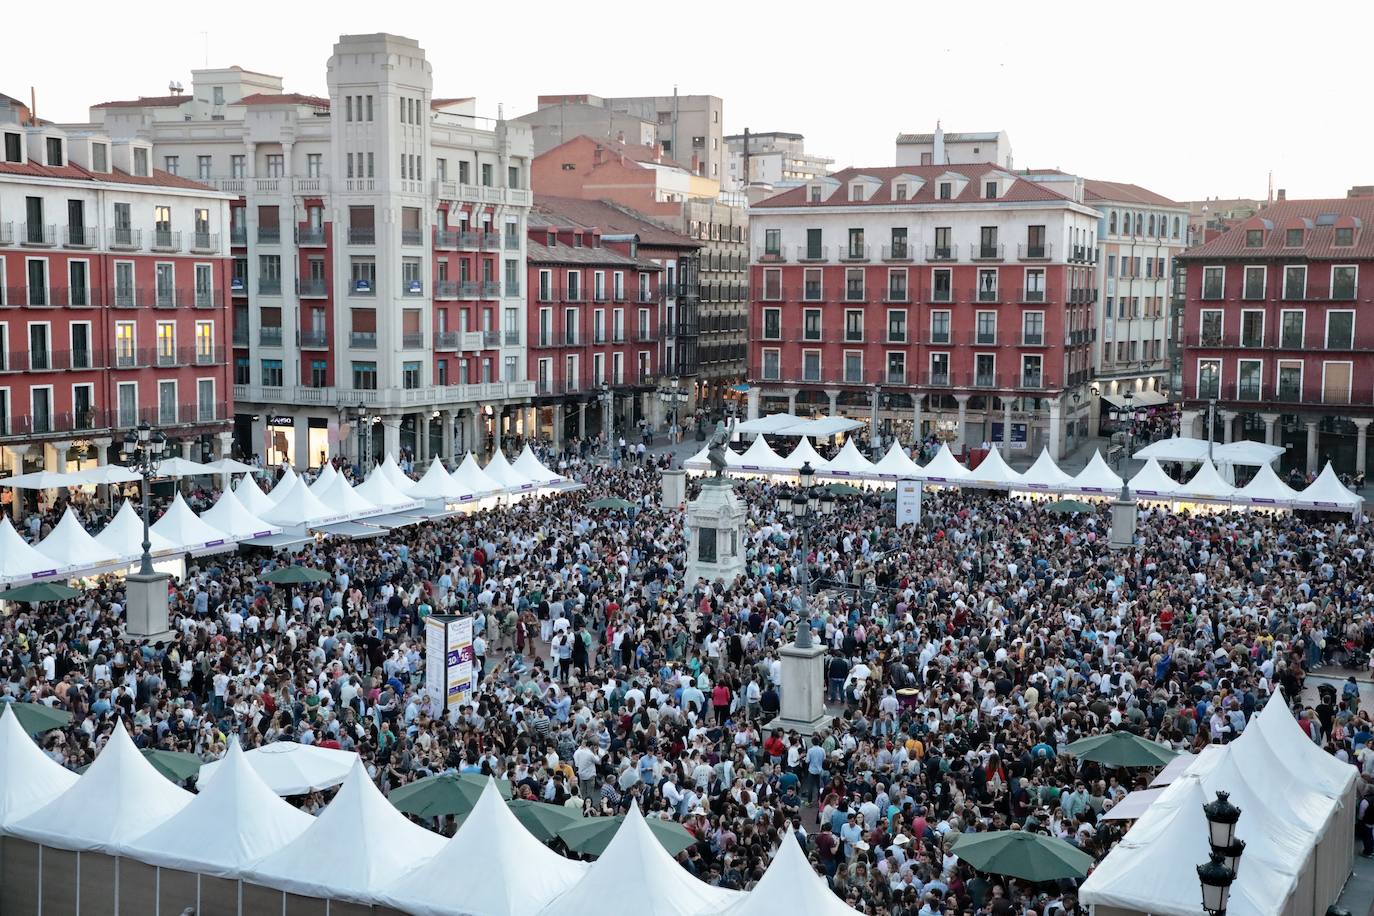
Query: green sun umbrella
point(612, 502)
point(592, 835)
point(1121, 749)
point(543, 819)
point(843, 489)
point(1070, 507)
point(175, 765)
point(40, 591)
point(444, 793)
point(1020, 854)
point(36, 718)
point(296, 575)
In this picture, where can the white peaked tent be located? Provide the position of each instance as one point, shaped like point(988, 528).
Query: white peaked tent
point(70, 545)
point(791, 886)
point(850, 462)
point(1096, 477)
point(251, 496)
point(896, 464)
point(511, 480)
point(773, 423)
point(298, 507)
point(232, 823)
point(801, 455)
point(994, 472)
point(1150, 482)
point(532, 468)
point(120, 798)
point(1207, 483)
point(357, 845)
point(288, 480)
point(181, 467)
point(324, 479)
point(1266, 489)
point(492, 866)
point(288, 768)
point(185, 530)
point(17, 559)
point(1327, 492)
point(635, 876)
point(341, 499)
point(944, 467)
point(29, 778)
point(229, 516)
point(733, 459)
point(378, 490)
point(229, 466)
point(395, 475)
point(436, 484)
point(471, 477)
point(760, 457)
point(123, 535)
point(1044, 474)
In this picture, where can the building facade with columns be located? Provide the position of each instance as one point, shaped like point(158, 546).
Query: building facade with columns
point(958, 296)
point(1277, 346)
point(378, 296)
point(113, 299)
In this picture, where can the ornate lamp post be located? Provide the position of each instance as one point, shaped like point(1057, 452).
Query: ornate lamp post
point(143, 452)
point(808, 505)
point(1219, 873)
point(607, 398)
point(145, 590)
point(673, 396)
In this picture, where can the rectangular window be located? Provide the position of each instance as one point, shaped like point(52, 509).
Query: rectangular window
point(54, 145)
point(896, 285)
point(1252, 328)
point(1343, 282)
point(238, 166)
point(984, 370)
point(896, 326)
point(1035, 286)
point(81, 344)
point(1290, 381)
point(127, 396)
point(986, 333)
point(941, 285)
point(1295, 283)
point(38, 281)
point(854, 284)
point(203, 168)
point(1291, 330)
point(944, 247)
point(814, 250)
point(811, 324)
point(1209, 378)
point(1248, 379)
point(1213, 282)
point(1035, 241)
point(1254, 282)
point(854, 326)
point(987, 242)
point(410, 375)
point(939, 326)
point(857, 249)
point(1031, 375)
point(987, 286)
point(772, 324)
point(364, 376)
point(896, 368)
point(100, 157)
point(772, 242)
point(1032, 329)
point(141, 162)
point(811, 288)
point(205, 399)
point(171, 164)
point(1340, 330)
point(1293, 238)
point(853, 367)
point(40, 356)
point(1211, 328)
point(898, 248)
point(1336, 378)
point(1345, 237)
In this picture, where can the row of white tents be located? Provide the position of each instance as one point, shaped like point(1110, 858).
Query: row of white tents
point(122, 838)
point(292, 511)
point(1298, 807)
point(1149, 484)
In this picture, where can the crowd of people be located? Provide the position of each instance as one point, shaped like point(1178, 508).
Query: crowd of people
point(963, 655)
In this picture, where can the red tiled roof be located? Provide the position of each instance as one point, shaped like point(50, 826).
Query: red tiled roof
point(635, 152)
point(1322, 217)
point(147, 101)
point(537, 253)
point(284, 98)
point(1020, 190)
point(1123, 192)
point(440, 103)
point(72, 172)
point(610, 218)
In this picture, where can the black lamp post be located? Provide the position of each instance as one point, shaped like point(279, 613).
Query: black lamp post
point(807, 506)
point(1219, 873)
point(607, 399)
point(143, 451)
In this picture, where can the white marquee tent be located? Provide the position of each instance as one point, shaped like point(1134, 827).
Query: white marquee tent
point(288, 768)
point(760, 458)
point(1207, 483)
point(1327, 492)
point(436, 483)
point(531, 467)
point(70, 545)
point(1044, 474)
point(124, 535)
point(395, 475)
point(1150, 482)
point(343, 500)
point(284, 485)
point(944, 468)
point(229, 516)
point(251, 496)
point(379, 490)
point(510, 480)
point(849, 462)
point(298, 507)
point(1096, 477)
point(29, 778)
point(471, 477)
point(791, 886)
point(324, 479)
point(800, 455)
point(896, 464)
point(1265, 488)
point(993, 471)
point(186, 531)
point(17, 559)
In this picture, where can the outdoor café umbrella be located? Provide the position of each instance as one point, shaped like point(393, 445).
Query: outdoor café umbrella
point(1069, 506)
point(175, 765)
point(592, 835)
point(444, 793)
point(296, 575)
point(543, 819)
point(40, 591)
point(36, 718)
point(1121, 749)
point(843, 489)
point(1021, 854)
point(612, 502)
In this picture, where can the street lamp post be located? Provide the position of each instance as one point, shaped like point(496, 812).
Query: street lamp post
point(1211, 421)
point(142, 454)
point(673, 396)
point(807, 506)
point(145, 590)
point(1223, 865)
point(607, 398)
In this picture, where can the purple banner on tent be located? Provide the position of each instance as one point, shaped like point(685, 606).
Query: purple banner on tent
point(1263, 501)
point(937, 480)
point(43, 574)
point(839, 474)
point(218, 543)
point(261, 534)
point(1037, 486)
point(749, 467)
point(1092, 489)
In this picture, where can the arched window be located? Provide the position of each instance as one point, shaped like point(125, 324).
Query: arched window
point(1175, 227)
point(1111, 223)
point(1140, 224)
point(1152, 224)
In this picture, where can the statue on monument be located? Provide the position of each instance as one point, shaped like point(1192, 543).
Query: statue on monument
point(715, 449)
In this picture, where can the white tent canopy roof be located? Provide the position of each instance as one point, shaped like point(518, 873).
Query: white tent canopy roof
point(17, 559)
point(791, 886)
point(471, 477)
point(1151, 481)
point(124, 535)
point(120, 798)
point(379, 491)
point(530, 466)
point(993, 470)
point(185, 530)
point(773, 423)
point(298, 506)
point(69, 544)
point(251, 496)
point(1190, 450)
point(492, 866)
point(29, 778)
point(1327, 491)
point(511, 480)
point(1266, 487)
point(1207, 483)
point(1044, 474)
point(229, 516)
point(341, 499)
point(1135, 805)
point(229, 466)
point(358, 844)
point(436, 483)
point(1096, 477)
point(395, 475)
point(944, 467)
point(181, 467)
point(284, 485)
point(850, 462)
point(324, 478)
point(896, 464)
point(288, 768)
point(759, 456)
point(786, 424)
point(800, 455)
point(635, 876)
point(1304, 761)
point(232, 823)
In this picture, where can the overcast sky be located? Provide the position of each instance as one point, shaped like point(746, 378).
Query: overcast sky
point(1190, 99)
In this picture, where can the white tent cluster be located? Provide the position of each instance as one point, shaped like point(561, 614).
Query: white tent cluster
point(133, 837)
point(1206, 486)
point(1298, 806)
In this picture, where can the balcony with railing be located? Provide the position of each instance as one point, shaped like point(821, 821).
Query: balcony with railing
point(994, 252)
point(6, 233)
point(37, 235)
point(240, 338)
point(899, 252)
point(986, 296)
point(362, 235)
point(80, 237)
point(412, 288)
point(513, 288)
point(491, 241)
point(855, 292)
point(445, 238)
point(412, 236)
point(124, 239)
point(1080, 337)
point(765, 254)
point(897, 294)
point(985, 380)
point(1032, 380)
point(204, 242)
point(469, 241)
point(472, 341)
point(312, 288)
point(362, 340)
point(1032, 338)
point(269, 336)
point(491, 339)
point(855, 254)
point(940, 296)
point(313, 339)
point(412, 340)
point(491, 289)
point(942, 252)
point(269, 235)
point(446, 340)
point(238, 236)
point(310, 236)
point(468, 289)
point(1041, 252)
point(512, 338)
point(512, 241)
point(813, 253)
point(269, 286)
point(445, 289)
point(982, 338)
point(1031, 296)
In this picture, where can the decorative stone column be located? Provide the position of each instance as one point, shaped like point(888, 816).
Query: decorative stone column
point(59, 456)
point(831, 393)
point(1228, 426)
point(918, 402)
point(1312, 447)
point(558, 426)
point(715, 533)
point(753, 397)
point(962, 400)
point(1056, 437)
point(1187, 424)
point(1361, 438)
point(391, 435)
point(446, 437)
point(1006, 430)
point(792, 400)
point(1271, 421)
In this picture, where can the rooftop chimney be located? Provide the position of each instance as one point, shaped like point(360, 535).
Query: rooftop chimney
point(1283, 193)
point(938, 154)
point(597, 154)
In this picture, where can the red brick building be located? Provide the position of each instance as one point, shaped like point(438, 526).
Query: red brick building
point(1274, 340)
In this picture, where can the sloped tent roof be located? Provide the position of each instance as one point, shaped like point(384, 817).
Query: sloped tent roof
point(251, 496)
point(379, 490)
point(1301, 759)
point(791, 886)
point(821, 427)
point(1134, 805)
point(324, 479)
point(395, 475)
point(492, 866)
point(773, 423)
point(342, 499)
point(298, 506)
point(288, 768)
point(181, 467)
point(732, 459)
point(800, 455)
point(17, 559)
point(1194, 451)
point(759, 456)
point(993, 471)
point(1151, 481)
point(123, 535)
point(288, 480)
point(1327, 491)
point(850, 462)
point(357, 845)
point(636, 876)
point(1176, 448)
point(471, 476)
point(944, 466)
point(511, 480)
point(1044, 474)
point(1296, 813)
point(229, 516)
point(896, 464)
point(232, 823)
point(436, 484)
point(120, 798)
point(1096, 477)
point(1173, 769)
point(69, 544)
point(185, 530)
point(532, 468)
point(1265, 488)
point(1207, 483)
point(29, 778)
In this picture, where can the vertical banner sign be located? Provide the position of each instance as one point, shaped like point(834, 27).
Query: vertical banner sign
point(436, 647)
point(450, 662)
point(908, 502)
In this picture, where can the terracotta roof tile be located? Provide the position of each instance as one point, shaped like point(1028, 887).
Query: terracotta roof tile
point(1123, 192)
point(1319, 220)
point(148, 101)
point(440, 103)
point(1020, 190)
point(610, 218)
point(72, 172)
point(572, 254)
point(283, 98)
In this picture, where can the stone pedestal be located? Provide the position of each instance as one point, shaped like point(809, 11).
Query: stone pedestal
point(802, 693)
point(145, 606)
point(1123, 523)
point(715, 533)
point(674, 488)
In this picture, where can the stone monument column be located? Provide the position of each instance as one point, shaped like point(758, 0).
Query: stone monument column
point(802, 697)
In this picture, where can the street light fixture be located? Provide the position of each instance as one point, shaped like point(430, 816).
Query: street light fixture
point(804, 511)
point(607, 399)
point(1219, 873)
point(1216, 881)
point(143, 450)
